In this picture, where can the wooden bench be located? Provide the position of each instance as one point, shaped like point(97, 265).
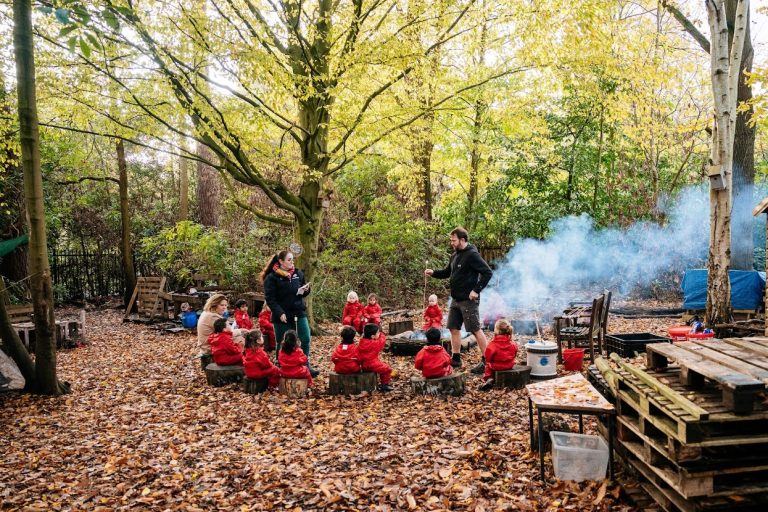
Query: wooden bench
point(516, 378)
point(71, 329)
point(352, 383)
point(739, 389)
point(19, 313)
point(222, 375)
point(453, 385)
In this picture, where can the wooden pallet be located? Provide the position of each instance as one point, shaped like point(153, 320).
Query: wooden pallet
point(150, 298)
point(738, 380)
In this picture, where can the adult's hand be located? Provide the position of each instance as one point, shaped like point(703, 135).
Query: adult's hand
point(473, 295)
point(429, 272)
point(284, 318)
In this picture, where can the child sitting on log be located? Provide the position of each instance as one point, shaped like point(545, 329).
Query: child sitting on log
point(372, 310)
point(433, 315)
point(433, 360)
point(267, 329)
point(369, 350)
point(500, 353)
point(256, 363)
point(353, 313)
point(242, 319)
point(293, 362)
point(345, 358)
point(224, 350)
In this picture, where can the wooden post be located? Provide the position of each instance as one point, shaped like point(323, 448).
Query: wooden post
point(761, 208)
point(293, 388)
point(351, 384)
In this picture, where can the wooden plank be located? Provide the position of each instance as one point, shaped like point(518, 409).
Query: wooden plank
point(748, 345)
point(728, 361)
point(130, 303)
point(758, 340)
point(694, 410)
point(742, 354)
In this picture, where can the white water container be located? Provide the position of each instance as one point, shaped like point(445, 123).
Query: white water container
point(542, 358)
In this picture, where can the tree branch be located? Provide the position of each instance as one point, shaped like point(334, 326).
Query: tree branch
point(687, 25)
point(88, 178)
point(258, 213)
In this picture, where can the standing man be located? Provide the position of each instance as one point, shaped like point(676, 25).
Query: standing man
point(469, 274)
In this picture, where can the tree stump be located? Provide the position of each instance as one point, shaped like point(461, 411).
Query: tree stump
point(351, 383)
point(451, 385)
point(223, 375)
point(255, 386)
point(205, 360)
point(516, 378)
point(293, 388)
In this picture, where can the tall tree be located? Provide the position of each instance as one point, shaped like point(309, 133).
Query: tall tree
point(40, 273)
point(126, 248)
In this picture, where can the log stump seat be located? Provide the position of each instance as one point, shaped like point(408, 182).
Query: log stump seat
point(293, 388)
point(516, 378)
point(352, 383)
point(452, 385)
point(255, 386)
point(222, 375)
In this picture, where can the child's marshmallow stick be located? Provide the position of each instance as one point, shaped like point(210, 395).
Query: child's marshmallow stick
point(426, 266)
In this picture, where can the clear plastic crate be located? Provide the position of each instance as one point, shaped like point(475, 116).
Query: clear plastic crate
point(579, 456)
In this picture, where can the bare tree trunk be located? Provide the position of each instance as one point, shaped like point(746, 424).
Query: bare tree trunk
point(40, 273)
point(183, 189)
point(421, 148)
point(597, 166)
point(474, 164)
point(208, 189)
point(125, 224)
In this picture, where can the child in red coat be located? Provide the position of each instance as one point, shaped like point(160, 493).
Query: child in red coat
point(293, 362)
point(224, 350)
point(353, 313)
point(256, 363)
point(346, 358)
point(500, 353)
point(241, 315)
point(433, 315)
point(267, 329)
point(369, 350)
point(433, 360)
point(372, 310)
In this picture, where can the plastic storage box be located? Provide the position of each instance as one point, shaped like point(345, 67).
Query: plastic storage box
point(627, 344)
point(579, 456)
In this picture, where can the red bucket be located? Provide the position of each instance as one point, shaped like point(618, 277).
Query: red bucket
point(700, 335)
point(573, 359)
point(679, 332)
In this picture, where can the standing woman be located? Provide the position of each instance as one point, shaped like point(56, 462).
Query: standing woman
point(284, 292)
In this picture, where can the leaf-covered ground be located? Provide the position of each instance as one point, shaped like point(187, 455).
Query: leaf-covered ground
point(143, 430)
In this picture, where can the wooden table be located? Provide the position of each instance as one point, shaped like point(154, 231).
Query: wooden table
point(571, 394)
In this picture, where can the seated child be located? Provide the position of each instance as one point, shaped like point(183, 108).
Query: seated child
point(223, 348)
point(433, 360)
point(433, 315)
point(369, 350)
point(372, 310)
point(267, 329)
point(500, 353)
point(256, 363)
point(241, 315)
point(293, 362)
point(345, 358)
point(353, 313)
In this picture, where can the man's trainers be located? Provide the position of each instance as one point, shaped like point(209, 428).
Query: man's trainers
point(456, 362)
point(314, 373)
point(479, 369)
point(487, 385)
point(385, 388)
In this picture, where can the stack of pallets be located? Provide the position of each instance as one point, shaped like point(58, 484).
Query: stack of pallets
point(694, 423)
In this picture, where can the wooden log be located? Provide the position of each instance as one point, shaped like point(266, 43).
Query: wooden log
point(691, 408)
point(516, 378)
point(451, 385)
point(607, 372)
point(401, 326)
point(293, 388)
point(255, 386)
point(351, 384)
point(222, 375)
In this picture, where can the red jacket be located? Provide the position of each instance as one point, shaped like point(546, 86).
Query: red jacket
point(369, 349)
point(501, 352)
point(224, 350)
point(243, 320)
point(256, 363)
point(293, 365)
point(346, 359)
point(265, 321)
point(373, 313)
point(434, 362)
point(352, 310)
point(433, 317)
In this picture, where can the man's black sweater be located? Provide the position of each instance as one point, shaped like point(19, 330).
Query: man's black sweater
point(468, 271)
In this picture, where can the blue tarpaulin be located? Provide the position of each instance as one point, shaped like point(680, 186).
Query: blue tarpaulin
point(747, 288)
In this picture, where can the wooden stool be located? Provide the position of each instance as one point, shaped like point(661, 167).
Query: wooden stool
point(255, 386)
point(451, 385)
point(223, 375)
point(516, 378)
point(205, 360)
point(351, 383)
point(293, 388)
